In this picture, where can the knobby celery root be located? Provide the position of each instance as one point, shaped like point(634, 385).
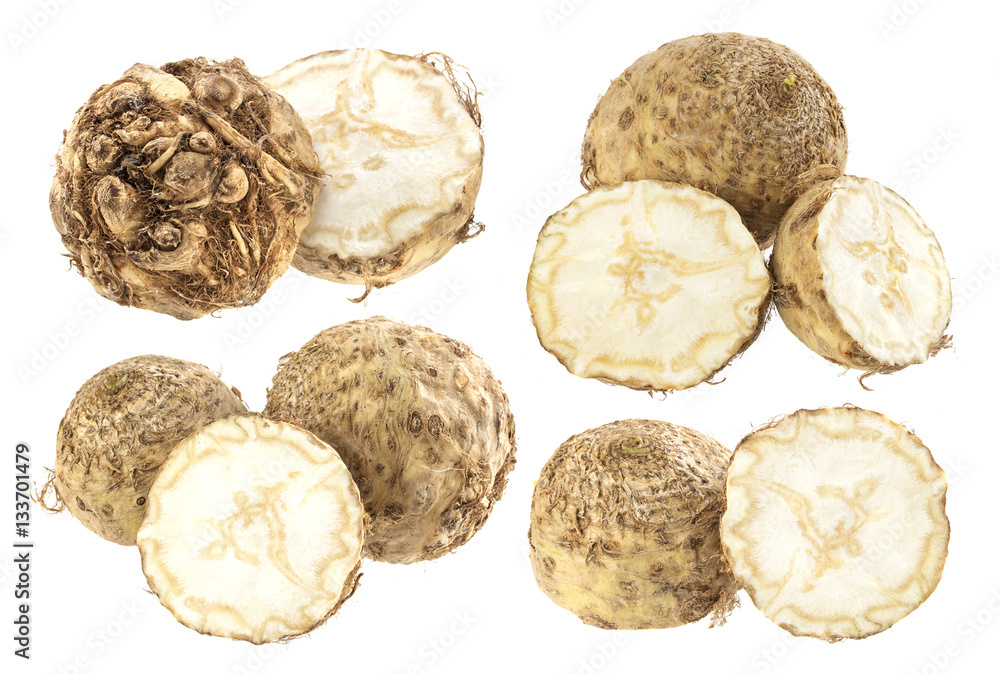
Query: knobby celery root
point(120, 427)
point(419, 419)
point(739, 116)
point(625, 526)
point(183, 189)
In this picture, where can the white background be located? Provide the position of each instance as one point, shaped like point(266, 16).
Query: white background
point(918, 84)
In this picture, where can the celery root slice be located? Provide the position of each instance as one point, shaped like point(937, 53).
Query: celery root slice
point(835, 522)
point(655, 286)
point(399, 139)
point(253, 531)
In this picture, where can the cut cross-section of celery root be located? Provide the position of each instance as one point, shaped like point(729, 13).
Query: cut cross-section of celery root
point(399, 139)
point(861, 280)
point(652, 285)
point(254, 530)
point(835, 522)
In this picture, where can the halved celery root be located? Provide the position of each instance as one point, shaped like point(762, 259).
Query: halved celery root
point(835, 522)
point(254, 531)
point(400, 141)
point(655, 286)
point(625, 526)
point(860, 278)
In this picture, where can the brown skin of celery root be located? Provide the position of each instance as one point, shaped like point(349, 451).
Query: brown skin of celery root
point(183, 190)
point(738, 116)
point(625, 527)
point(421, 422)
point(119, 429)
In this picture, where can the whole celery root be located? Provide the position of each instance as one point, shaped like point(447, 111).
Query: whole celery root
point(184, 189)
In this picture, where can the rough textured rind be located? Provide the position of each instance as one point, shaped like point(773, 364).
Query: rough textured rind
point(184, 189)
point(420, 421)
point(802, 285)
point(120, 428)
point(735, 115)
point(625, 526)
point(835, 522)
point(800, 298)
point(354, 144)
